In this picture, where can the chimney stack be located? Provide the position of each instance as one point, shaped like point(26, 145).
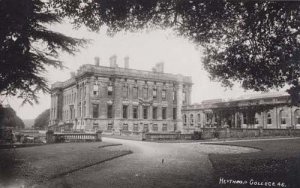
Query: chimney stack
point(126, 62)
point(159, 67)
point(113, 61)
point(97, 61)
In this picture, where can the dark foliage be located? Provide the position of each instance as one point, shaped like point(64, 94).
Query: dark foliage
point(42, 121)
point(28, 47)
point(255, 43)
point(8, 118)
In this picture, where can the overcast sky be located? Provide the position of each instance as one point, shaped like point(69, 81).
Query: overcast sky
point(145, 49)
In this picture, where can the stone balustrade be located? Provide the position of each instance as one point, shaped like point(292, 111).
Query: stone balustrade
point(52, 137)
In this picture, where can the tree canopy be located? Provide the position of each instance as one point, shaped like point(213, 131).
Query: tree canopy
point(255, 43)
point(42, 121)
point(9, 118)
point(28, 47)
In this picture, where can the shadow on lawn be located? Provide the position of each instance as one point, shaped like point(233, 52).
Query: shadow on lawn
point(279, 162)
point(9, 165)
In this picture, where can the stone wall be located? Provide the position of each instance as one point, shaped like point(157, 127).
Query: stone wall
point(210, 133)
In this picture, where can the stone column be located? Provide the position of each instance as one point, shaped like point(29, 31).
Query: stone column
point(76, 107)
point(179, 106)
point(88, 111)
point(140, 112)
point(104, 82)
point(117, 104)
point(188, 94)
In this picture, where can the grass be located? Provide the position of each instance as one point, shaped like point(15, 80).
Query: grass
point(36, 164)
point(278, 161)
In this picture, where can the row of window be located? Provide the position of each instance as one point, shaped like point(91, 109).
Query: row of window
point(71, 97)
point(283, 116)
point(135, 92)
point(135, 127)
point(69, 114)
point(135, 112)
point(191, 119)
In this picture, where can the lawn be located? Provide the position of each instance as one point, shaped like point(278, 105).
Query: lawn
point(276, 165)
point(39, 163)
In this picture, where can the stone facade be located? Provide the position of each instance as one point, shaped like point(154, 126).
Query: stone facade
point(115, 99)
point(267, 111)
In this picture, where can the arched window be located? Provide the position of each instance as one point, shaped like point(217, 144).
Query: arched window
point(209, 117)
point(192, 119)
point(297, 116)
point(198, 118)
point(269, 118)
point(283, 117)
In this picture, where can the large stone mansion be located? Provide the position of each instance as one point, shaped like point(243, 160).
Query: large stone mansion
point(115, 99)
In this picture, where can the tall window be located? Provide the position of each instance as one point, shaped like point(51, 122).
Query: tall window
point(256, 120)
point(164, 127)
point(84, 109)
point(245, 119)
point(184, 119)
point(135, 112)
point(192, 119)
point(198, 118)
point(164, 113)
point(96, 90)
point(184, 97)
point(125, 111)
point(145, 93)
point(72, 111)
point(109, 90)
point(109, 111)
point(174, 113)
point(283, 117)
point(125, 91)
point(154, 112)
point(163, 95)
point(269, 118)
point(154, 93)
point(80, 93)
point(174, 95)
point(95, 110)
point(135, 92)
point(209, 117)
point(145, 112)
point(297, 116)
point(154, 127)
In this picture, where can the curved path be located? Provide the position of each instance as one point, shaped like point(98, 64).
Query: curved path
point(151, 165)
